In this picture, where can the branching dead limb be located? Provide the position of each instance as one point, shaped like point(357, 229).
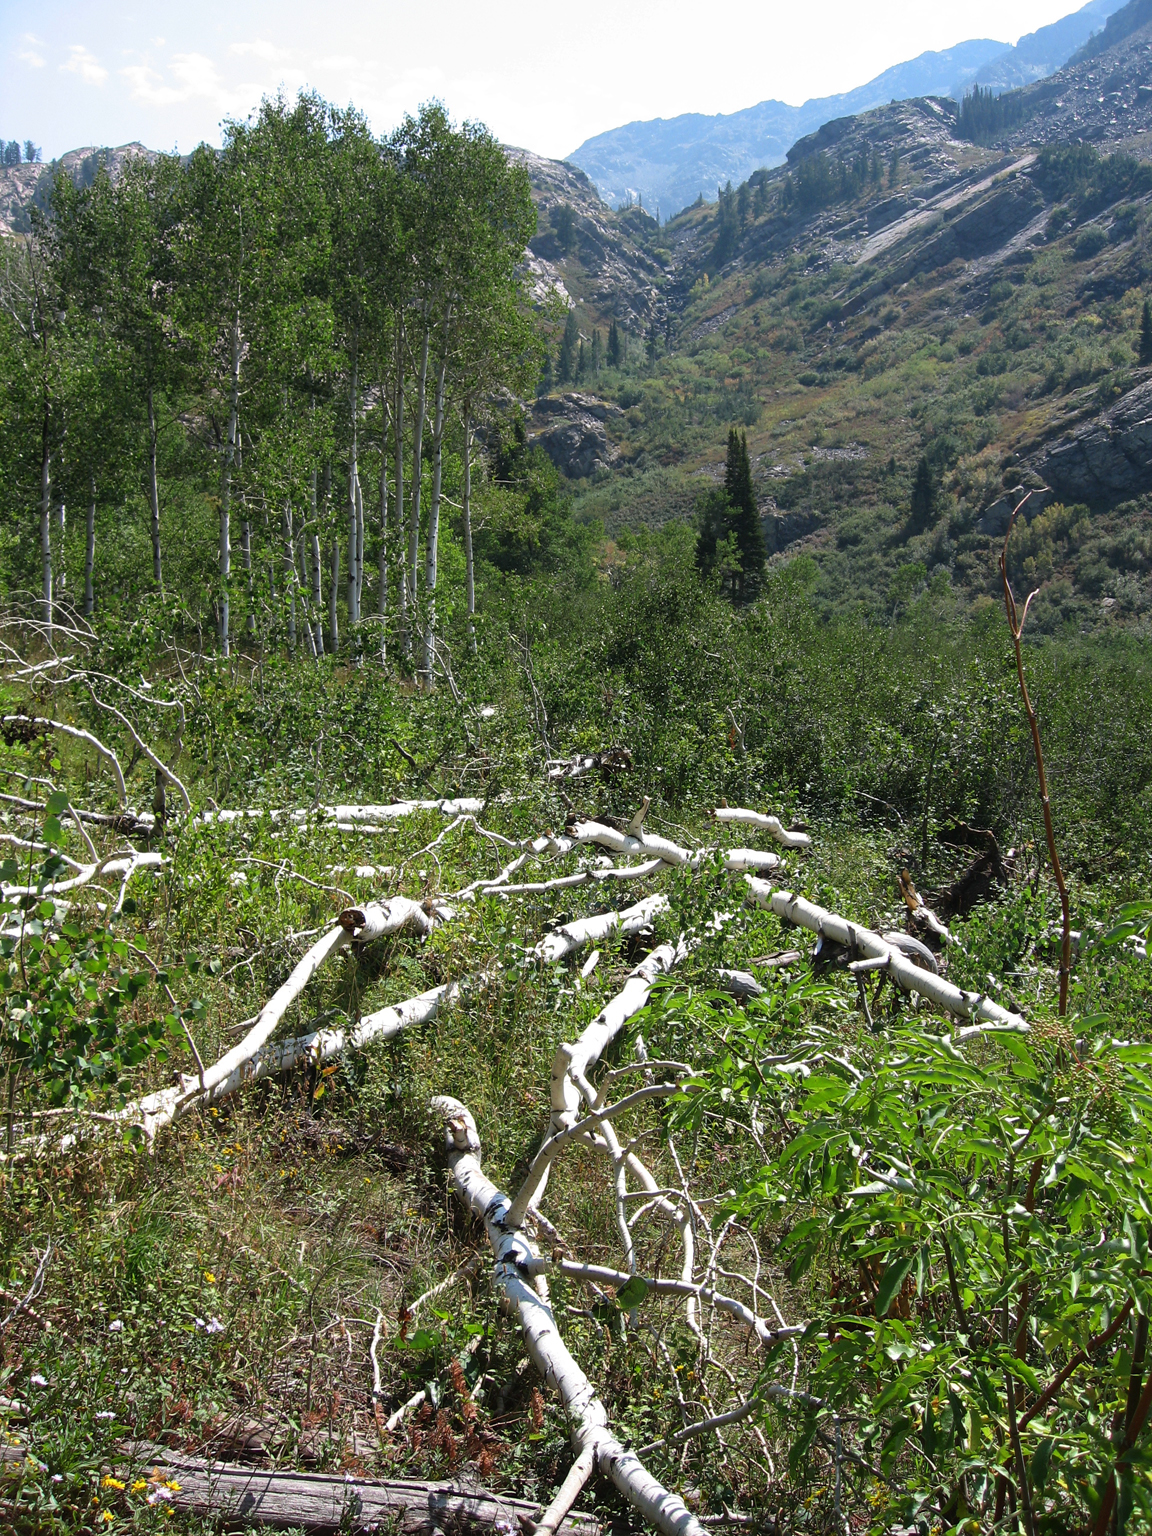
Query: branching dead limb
point(1016, 624)
point(77, 734)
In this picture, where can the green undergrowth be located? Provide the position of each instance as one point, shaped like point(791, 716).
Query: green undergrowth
point(218, 1289)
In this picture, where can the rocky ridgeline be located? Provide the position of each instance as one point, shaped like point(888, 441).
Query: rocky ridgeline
point(22, 186)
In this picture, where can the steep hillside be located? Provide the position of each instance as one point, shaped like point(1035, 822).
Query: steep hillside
point(896, 299)
point(671, 161)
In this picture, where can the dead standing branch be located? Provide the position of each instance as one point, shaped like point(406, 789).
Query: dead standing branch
point(1016, 622)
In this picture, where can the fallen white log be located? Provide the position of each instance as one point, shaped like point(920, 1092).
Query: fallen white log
point(114, 864)
point(771, 824)
point(605, 925)
point(512, 1252)
point(581, 877)
point(79, 735)
point(574, 1060)
point(736, 860)
point(253, 1058)
point(975, 1006)
point(377, 918)
point(349, 815)
point(630, 842)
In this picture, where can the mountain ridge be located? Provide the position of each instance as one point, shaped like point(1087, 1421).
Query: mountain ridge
point(666, 163)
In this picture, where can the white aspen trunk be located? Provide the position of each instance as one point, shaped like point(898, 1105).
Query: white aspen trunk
point(398, 479)
point(433, 540)
point(154, 492)
point(353, 488)
point(305, 597)
point(417, 477)
point(246, 560)
point(514, 1257)
point(883, 953)
point(290, 574)
point(90, 554)
point(226, 490)
point(317, 597)
point(469, 568)
point(359, 548)
point(333, 588)
point(59, 518)
point(46, 528)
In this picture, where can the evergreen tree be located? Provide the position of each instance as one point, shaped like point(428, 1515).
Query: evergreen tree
point(744, 514)
point(894, 168)
point(742, 204)
point(713, 536)
point(1144, 349)
point(597, 352)
point(567, 365)
point(12, 152)
point(31, 152)
point(580, 360)
point(876, 170)
point(613, 345)
point(923, 497)
point(544, 387)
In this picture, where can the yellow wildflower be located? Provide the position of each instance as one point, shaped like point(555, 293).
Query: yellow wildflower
point(209, 1277)
point(139, 1485)
point(172, 1484)
point(112, 1482)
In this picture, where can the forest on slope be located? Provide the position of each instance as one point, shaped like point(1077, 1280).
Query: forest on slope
point(499, 1019)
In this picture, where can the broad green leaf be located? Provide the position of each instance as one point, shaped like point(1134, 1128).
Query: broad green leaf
point(632, 1294)
point(891, 1281)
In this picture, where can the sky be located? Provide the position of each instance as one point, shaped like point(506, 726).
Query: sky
point(78, 72)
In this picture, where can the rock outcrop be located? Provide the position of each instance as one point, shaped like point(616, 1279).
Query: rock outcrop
point(570, 429)
point(1106, 458)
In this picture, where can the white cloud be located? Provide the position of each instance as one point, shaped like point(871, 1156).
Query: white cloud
point(86, 65)
point(31, 58)
point(260, 48)
point(191, 77)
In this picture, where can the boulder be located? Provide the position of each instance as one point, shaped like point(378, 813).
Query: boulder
point(1105, 459)
point(578, 446)
point(783, 528)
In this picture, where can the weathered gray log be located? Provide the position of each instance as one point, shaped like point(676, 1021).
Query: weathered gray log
point(278, 1498)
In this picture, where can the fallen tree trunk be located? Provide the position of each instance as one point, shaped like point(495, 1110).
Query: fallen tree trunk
point(276, 1498)
point(512, 1252)
point(771, 824)
point(737, 859)
point(605, 925)
point(976, 1006)
point(349, 814)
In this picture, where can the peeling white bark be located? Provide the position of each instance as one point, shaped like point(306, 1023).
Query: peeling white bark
point(513, 1253)
point(771, 824)
point(737, 859)
point(605, 925)
point(976, 1006)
